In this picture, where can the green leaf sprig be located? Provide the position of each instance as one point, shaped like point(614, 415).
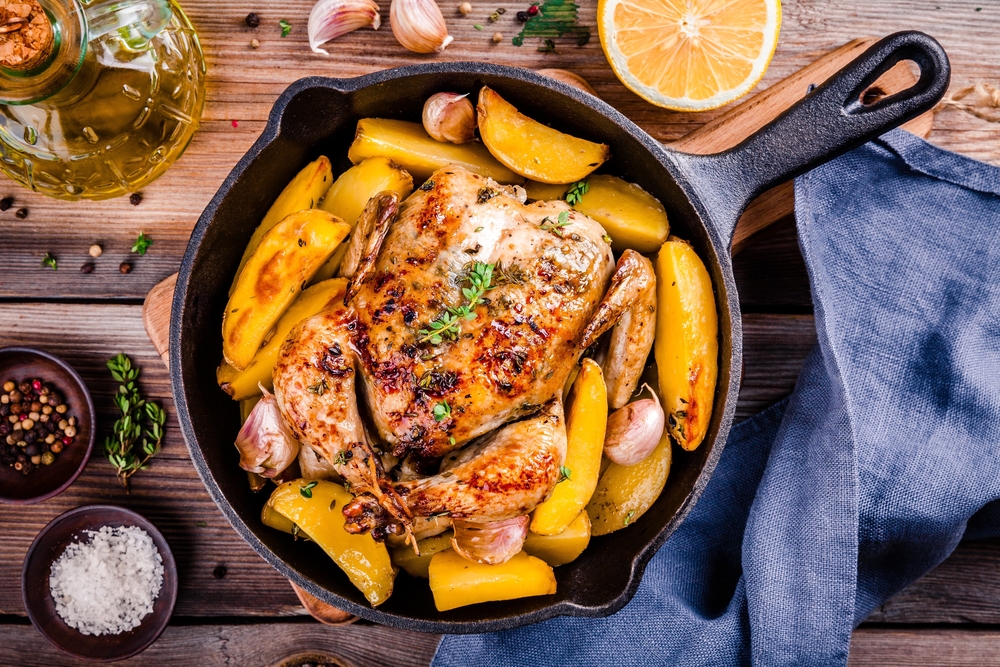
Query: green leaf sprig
point(449, 324)
point(548, 225)
point(576, 192)
point(140, 426)
point(286, 27)
point(50, 261)
point(142, 243)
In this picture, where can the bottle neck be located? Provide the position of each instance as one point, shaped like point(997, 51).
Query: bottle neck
point(47, 68)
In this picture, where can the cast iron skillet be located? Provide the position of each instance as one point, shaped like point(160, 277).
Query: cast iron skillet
point(704, 196)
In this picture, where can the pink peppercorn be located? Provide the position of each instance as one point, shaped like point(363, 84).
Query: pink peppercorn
point(66, 440)
point(532, 10)
point(23, 416)
point(36, 385)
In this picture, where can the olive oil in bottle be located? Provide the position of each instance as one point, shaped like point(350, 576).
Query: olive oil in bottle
point(97, 99)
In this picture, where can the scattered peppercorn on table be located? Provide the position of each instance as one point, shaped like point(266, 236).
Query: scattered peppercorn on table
point(73, 277)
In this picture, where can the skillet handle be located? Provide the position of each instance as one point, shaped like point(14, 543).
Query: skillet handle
point(828, 122)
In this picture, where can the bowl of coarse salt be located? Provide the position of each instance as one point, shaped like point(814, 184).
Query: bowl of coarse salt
point(99, 582)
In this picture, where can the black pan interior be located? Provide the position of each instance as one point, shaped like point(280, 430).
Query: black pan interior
point(319, 116)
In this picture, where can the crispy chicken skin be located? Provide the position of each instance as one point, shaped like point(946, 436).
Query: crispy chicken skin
point(486, 399)
point(517, 352)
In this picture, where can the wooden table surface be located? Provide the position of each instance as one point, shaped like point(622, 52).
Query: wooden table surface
point(233, 608)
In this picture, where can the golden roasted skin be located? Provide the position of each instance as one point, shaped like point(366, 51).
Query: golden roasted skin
point(515, 355)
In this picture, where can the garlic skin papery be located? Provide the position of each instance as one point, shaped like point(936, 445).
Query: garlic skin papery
point(330, 19)
point(633, 431)
point(419, 25)
point(490, 543)
point(266, 444)
point(450, 117)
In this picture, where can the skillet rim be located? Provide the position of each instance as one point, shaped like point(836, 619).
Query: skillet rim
point(726, 299)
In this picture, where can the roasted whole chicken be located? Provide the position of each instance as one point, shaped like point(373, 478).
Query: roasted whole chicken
point(435, 388)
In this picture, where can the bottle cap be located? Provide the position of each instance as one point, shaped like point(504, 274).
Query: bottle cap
point(25, 34)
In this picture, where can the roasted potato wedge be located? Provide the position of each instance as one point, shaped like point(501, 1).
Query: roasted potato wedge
point(281, 265)
point(534, 150)
point(304, 191)
point(350, 193)
point(626, 492)
point(456, 582)
point(632, 217)
point(687, 341)
point(563, 548)
point(586, 420)
point(315, 507)
point(416, 566)
point(271, 518)
point(245, 385)
point(408, 145)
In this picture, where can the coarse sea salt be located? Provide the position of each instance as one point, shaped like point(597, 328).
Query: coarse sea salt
point(107, 584)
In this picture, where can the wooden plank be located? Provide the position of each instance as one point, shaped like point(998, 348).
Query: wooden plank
point(770, 272)
point(881, 647)
point(243, 84)
point(255, 645)
point(288, 644)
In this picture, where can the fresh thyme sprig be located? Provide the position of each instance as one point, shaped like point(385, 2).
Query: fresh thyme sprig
point(129, 430)
point(142, 243)
point(555, 227)
point(449, 324)
point(576, 192)
point(50, 261)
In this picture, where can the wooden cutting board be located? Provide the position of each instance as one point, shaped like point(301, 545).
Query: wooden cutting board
point(725, 131)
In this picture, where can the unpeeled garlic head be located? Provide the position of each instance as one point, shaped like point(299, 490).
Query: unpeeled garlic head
point(419, 25)
point(450, 117)
point(330, 19)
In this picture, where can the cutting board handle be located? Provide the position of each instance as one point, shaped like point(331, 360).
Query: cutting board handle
point(829, 121)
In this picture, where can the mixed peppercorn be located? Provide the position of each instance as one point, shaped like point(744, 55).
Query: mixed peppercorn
point(35, 425)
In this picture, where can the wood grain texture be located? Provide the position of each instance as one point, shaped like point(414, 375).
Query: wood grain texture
point(243, 83)
point(255, 645)
point(293, 645)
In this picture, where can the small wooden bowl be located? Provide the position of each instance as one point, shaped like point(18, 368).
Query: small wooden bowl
point(19, 364)
point(38, 602)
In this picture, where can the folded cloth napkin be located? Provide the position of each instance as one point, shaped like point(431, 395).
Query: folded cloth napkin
point(883, 458)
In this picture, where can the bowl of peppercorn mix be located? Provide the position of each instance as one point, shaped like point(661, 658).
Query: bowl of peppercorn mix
point(46, 425)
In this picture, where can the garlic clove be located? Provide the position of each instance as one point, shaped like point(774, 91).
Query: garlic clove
point(266, 445)
point(419, 25)
point(491, 543)
point(330, 19)
point(634, 431)
point(569, 78)
point(450, 117)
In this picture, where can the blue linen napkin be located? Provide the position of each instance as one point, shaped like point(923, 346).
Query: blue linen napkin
point(883, 458)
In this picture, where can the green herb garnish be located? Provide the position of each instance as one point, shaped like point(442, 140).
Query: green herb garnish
point(307, 490)
point(576, 192)
point(286, 27)
point(142, 243)
point(564, 474)
point(548, 225)
point(441, 411)
point(340, 459)
point(607, 239)
point(628, 517)
point(477, 26)
point(49, 261)
point(449, 323)
point(129, 430)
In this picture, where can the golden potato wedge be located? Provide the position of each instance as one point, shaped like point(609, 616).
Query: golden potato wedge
point(534, 150)
point(304, 191)
point(626, 492)
point(350, 193)
point(632, 217)
point(271, 518)
point(408, 145)
point(416, 566)
point(586, 420)
point(244, 385)
point(315, 507)
point(456, 582)
point(687, 341)
point(278, 270)
point(563, 548)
